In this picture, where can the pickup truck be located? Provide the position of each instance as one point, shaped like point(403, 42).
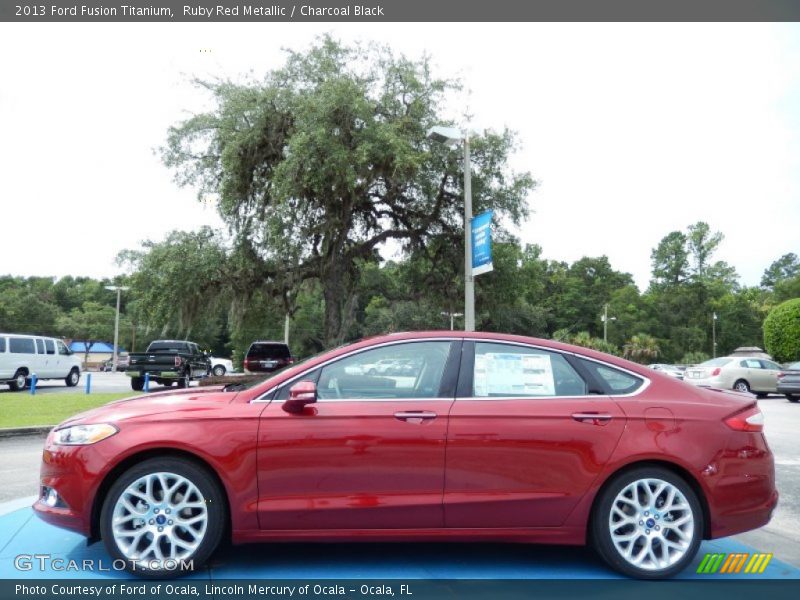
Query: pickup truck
point(168, 361)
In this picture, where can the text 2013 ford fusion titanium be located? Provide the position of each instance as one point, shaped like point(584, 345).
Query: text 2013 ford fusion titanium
point(483, 437)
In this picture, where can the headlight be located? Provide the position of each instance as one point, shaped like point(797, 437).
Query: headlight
point(82, 435)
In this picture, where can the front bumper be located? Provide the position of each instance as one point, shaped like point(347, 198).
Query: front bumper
point(75, 472)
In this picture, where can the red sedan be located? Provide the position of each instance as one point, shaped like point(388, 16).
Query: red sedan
point(482, 437)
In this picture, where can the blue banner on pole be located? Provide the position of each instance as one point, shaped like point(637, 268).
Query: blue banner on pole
point(481, 226)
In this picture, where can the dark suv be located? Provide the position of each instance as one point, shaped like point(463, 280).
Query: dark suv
point(265, 357)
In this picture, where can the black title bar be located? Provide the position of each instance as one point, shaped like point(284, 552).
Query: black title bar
point(377, 11)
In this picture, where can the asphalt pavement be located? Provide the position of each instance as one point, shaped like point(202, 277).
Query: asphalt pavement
point(101, 382)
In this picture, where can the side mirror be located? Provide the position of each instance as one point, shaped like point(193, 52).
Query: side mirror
point(301, 394)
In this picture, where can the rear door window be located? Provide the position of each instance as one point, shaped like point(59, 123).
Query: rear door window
point(509, 371)
point(50, 347)
point(39, 346)
point(21, 345)
point(2, 344)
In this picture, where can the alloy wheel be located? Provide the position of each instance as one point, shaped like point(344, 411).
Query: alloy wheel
point(160, 516)
point(652, 524)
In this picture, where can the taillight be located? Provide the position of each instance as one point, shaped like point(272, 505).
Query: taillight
point(750, 419)
point(290, 361)
point(178, 361)
point(246, 363)
point(781, 375)
point(715, 372)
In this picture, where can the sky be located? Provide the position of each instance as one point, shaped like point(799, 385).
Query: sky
point(632, 130)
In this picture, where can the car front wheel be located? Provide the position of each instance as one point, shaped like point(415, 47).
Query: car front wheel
point(163, 517)
point(647, 523)
point(73, 378)
point(219, 371)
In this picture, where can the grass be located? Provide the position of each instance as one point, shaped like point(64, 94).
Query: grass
point(23, 410)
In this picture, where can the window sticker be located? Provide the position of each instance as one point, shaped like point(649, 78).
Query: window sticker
point(510, 374)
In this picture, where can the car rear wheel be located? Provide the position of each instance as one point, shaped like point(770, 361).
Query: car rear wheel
point(73, 378)
point(647, 523)
point(742, 386)
point(792, 397)
point(219, 371)
point(137, 384)
point(163, 517)
point(19, 382)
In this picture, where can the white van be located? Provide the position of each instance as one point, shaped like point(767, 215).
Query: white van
point(22, 356)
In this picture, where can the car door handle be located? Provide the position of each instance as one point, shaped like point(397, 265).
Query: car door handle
point(593, 417)
point(415, 414)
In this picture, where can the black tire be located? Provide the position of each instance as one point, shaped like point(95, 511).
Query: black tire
point(793, 397)
point(218, 371)
point(742, 386)
point(20, 381)
point(137, 384)
point(600, 530)
point(215, 505)
point(73, 378)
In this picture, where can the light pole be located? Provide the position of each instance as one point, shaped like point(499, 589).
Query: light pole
point(451, 136)
point(714, 334)
point(605, 319)
point(119, 289)
point(452, 316)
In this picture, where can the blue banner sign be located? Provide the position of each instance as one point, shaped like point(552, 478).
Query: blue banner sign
point(482, 243)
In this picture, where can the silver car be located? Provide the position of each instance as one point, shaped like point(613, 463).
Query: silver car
point(743, 374)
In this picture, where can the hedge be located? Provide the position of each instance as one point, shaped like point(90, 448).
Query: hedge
point(782, 331)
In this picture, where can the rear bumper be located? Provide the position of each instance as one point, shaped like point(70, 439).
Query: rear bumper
point(788, 388)
point(154, 374)
point(741, 483)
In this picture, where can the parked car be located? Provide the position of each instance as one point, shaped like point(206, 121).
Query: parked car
point(671, 370)
point(266, 357)
point(495, 437)
point(789, 382)
point(22, 356)
point(738, 373)
point(108, 364)
point(220, 366)
point(168, 361)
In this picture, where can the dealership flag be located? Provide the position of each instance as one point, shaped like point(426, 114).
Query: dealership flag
point(482, 243)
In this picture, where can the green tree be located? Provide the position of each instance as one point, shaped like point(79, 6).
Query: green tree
point(786, 267)
point(89, 324)
point(642, 348)
point(782, 331)
point(327, 159)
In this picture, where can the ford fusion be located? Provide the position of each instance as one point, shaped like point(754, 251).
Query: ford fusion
point(480, 437)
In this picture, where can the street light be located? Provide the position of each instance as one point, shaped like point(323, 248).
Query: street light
point(605, 319)
point(452, 315)
point(714, 333)
point(119, 289)
point(451, 136)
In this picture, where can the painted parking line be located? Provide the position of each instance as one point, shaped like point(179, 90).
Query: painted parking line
point(21, 533)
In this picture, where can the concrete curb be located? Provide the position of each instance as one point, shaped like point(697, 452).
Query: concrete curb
point(22, 431)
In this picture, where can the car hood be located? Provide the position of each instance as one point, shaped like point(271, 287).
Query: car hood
point(208, 398)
